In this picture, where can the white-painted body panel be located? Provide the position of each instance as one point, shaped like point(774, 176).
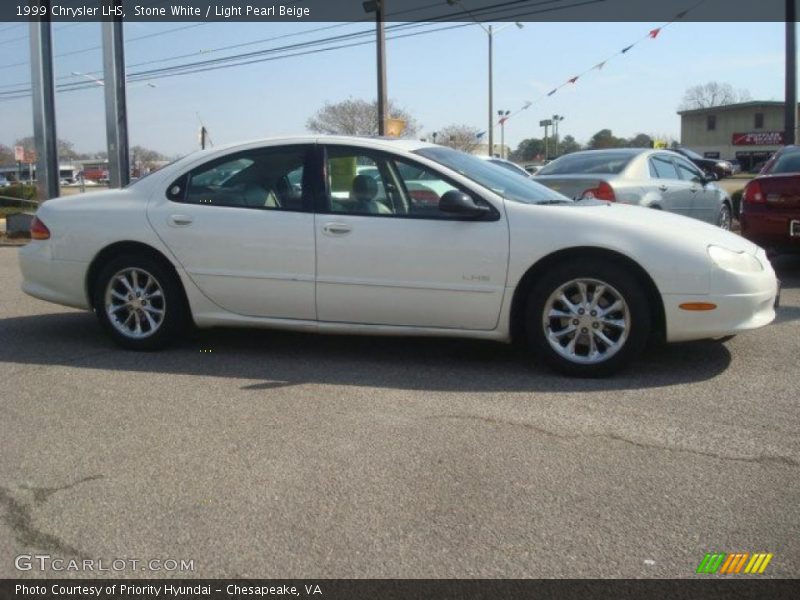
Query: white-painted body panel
point(387, 275)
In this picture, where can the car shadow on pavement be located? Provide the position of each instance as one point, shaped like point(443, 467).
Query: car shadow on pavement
point(787, 267)
point(272, 359)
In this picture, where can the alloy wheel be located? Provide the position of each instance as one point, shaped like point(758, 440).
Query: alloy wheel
point(586, 321)
point(135, 303)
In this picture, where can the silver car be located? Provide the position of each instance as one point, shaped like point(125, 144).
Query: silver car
point(659, 179)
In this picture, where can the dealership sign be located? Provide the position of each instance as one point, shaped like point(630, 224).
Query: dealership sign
point(758, 138)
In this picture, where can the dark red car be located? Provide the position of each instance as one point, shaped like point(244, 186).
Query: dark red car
point(770, 211)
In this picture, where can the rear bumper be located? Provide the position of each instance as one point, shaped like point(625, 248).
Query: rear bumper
point(769, 227)
point(58, 281)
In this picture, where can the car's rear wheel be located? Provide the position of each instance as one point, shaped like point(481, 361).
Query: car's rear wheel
point(139, 302)
point(588, 318)
point(724, 218)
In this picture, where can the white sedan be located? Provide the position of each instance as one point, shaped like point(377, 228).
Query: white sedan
point(336, 234)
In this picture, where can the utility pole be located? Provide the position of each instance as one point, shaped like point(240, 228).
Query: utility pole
point(491, 108)
point(44, 103)
point(790, 118)
point(203, 136)
point(379, 8)
point(116, 109)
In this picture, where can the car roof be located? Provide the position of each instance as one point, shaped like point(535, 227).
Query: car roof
point(375, 141)
point(631, 151)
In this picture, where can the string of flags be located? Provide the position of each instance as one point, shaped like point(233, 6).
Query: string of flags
point(651, 35)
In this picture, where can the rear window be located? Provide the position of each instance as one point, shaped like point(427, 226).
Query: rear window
point(609, 163)
point(788, 162)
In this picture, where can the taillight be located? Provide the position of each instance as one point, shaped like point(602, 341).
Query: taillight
point(603, 191)
point(39, 230)
point(753, 193)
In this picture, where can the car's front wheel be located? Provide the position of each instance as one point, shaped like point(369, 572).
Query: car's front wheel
point(588, 318)
point(724, 219)
point(139, 302)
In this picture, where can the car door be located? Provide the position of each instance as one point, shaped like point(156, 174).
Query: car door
point(704, 196)
point(676, 195)
point(386, 254)
point(242, 226)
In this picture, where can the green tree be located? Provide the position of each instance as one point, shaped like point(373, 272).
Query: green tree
point(568, 145)
point(641, 140)
point(528, 150)
point(605, 139)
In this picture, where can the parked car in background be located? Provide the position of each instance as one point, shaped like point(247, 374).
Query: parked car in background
point(3, 181)
point(770, 211)
point(499, 257)
point(657, 179)
point(712, 166)
point(507, 165)
point(532, 169)
point(736, 166)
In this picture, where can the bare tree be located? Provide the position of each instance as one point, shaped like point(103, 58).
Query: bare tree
point(6, 156)
point(357, 117)
point(711, 94)
point(66, 149)
point(459, 137)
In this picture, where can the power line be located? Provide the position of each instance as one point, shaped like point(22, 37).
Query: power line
point(243, 59)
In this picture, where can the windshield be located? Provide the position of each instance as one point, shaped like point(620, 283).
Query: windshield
point(497, 179)
point(588, 163)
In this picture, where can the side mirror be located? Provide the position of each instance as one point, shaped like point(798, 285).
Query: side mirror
point(459, 203)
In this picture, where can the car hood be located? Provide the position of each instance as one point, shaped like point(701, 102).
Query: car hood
point(655, 224)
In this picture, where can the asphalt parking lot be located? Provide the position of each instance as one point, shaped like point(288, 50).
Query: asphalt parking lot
point(265, 454)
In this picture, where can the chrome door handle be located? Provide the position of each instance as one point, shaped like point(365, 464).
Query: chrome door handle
point(663, 188)
point(336, 229)
point(180, 220)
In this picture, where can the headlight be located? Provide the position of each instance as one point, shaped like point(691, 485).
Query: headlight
point(729, 260)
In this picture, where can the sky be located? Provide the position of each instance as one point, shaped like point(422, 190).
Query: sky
point(440, 78)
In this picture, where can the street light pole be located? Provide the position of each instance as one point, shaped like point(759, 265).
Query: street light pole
point(556, 120)
point(503, 114)
point(546, 123)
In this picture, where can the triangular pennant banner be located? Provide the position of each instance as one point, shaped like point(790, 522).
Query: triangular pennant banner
point(600, 65)
point(680, 15)
point(624, 50)
point(573, 80)
point(550, 93)
point(654, 33)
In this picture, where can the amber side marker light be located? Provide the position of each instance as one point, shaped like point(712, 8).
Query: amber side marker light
point(39, 230)
point(697, 306)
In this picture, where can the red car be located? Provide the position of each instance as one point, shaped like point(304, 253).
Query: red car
point(770, 211)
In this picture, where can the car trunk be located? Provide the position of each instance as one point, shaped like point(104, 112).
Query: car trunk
point(781, 191)
point(571, 186)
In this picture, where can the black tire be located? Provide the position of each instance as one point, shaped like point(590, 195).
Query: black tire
point(622, 282)
point(171, 300)
point(725, 217)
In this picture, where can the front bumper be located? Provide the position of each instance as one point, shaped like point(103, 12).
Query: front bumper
point(744, 301)
point(46, 278)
